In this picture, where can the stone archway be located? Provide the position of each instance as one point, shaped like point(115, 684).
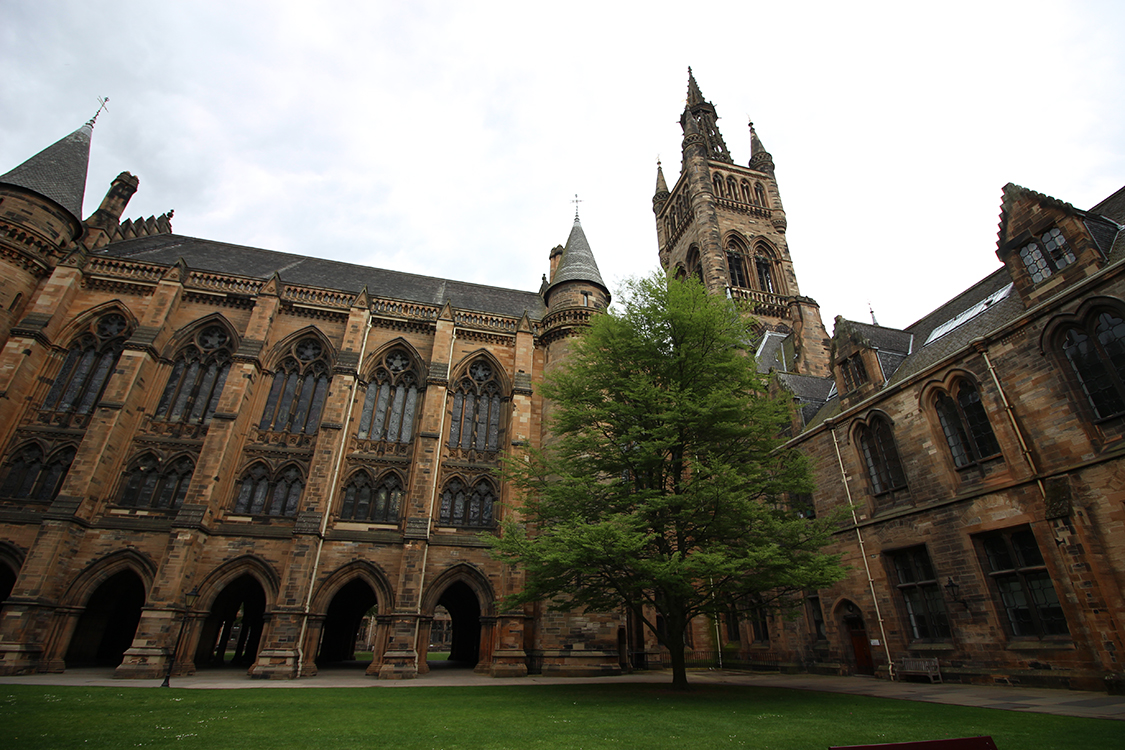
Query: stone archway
point(464, 610)
point(109, 621)
point(232, 630)
point(342, 622)
point(856, 642)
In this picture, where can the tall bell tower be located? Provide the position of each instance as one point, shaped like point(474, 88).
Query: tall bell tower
point(725, 224)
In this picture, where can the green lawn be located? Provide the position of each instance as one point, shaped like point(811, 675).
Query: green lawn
point(536, 716)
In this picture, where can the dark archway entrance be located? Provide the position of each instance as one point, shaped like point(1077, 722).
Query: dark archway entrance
point(107, 626)
point(464, 623)
point(233, 629)
point(7, 582)
point(857, 636)
point(341, 624)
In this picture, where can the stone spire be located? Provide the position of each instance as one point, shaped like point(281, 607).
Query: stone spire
point(58, 172)
point(703, 113)
point(760, 159)
point(660, 197)
point(577, 262)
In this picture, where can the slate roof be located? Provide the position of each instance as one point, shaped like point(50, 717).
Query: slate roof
point(1113, 207)
point(577, 263)
point(58, 172)
point(220, 257)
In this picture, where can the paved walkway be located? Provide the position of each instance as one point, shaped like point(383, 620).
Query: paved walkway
point(1034, 700)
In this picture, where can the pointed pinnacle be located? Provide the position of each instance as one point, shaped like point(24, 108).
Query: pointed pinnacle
point(694, 95)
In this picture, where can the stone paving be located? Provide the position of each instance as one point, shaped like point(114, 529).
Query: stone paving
point(1034, 700)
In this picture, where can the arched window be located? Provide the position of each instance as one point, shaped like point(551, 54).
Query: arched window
point(391, 405)
point(760, 193)
point(87, 367)
point(732, 188)
point(300, 386)
point(462, 506)
point(477, 404)
point(745, 192)
point(965, 424)
point(694, 265)
point(877, 445)
point(380, 503)
point(1096, 353)
point(765, 274)
point(30, 476)
point(193, 389)
point(148, 484)
point(736, 264)
point(1046, 255)
point(264, 494)
point(717, 184)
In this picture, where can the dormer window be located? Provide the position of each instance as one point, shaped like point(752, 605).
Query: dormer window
point(855, 374)
point(1045, 256)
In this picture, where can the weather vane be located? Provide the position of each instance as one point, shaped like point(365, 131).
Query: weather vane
point(576, 201)
point(102, 101)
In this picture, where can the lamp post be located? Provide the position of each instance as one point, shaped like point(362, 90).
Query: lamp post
point(189, 599)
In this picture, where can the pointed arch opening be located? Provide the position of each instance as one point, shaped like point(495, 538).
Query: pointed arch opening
point(299, 388)
point(109, 621)
point(232, 631)
point(199, 372)
point(33, 474)
point(477, 408)
point(353, 606)
point(91, 358)
point(391, 406)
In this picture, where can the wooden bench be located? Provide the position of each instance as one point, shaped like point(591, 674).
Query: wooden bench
point(919, 667)
point(983, 742)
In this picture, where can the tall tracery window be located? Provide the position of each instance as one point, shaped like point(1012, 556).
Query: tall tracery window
point(300, 385)
point(197, 379)
point(262, 493)
point(391, 404)
point(1096, 353)
point(149, 484)
point(33, 476)
point(1045, 256)
point(965, 424)
point(465, 506)
point(877, 444)
point(87, 367)
point(477, 406)
point(365, 501)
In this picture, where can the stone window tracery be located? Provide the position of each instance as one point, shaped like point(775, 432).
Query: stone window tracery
point(391, 406)
point(263, 493)
point(148, 484)
point(87, 367)
point(965, 425)
point(35, 477)
point(300, 386)
point(880, 456)
point(378, 502)
point(477, 406)
point(1095, 351)
point(196, 382)
point(467, 507)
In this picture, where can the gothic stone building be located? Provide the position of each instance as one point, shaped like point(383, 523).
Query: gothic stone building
point(303, 445)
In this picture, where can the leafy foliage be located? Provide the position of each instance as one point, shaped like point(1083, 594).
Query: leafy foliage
point(662, 489)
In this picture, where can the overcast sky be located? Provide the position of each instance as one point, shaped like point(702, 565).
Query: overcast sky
point(447, 138)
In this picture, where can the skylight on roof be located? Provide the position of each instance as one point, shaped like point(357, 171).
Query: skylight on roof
point(964, 317)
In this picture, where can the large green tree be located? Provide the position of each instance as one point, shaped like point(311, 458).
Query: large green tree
point(663, 487)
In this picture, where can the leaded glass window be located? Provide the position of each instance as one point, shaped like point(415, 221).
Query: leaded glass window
point(466, 506)
point(477, 406)
point(197, 379)
point(35, 477)
point(300, 386)
point(379, 503)
point(89, 363)
point(876, 443)
point(1022, 584)
point(390, 408)
point(965, 425)
point(261, 493)
point(1046, 255)
point(737, 270)
point(1096, 354)
point(921, 594)
point(149, 484)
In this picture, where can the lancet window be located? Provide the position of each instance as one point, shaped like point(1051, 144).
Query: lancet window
point(965, 424)
point(477, 405)
point(264, 493)
point(1096, 354)
point(877, 446)
point(34, 476)
point(300, 385)
point(197, 379)
point(378, 502)
point(466, 506)
point(764, 265)
point(760, 194)
point(151, 484)
point(87, 367)
point(391, 405)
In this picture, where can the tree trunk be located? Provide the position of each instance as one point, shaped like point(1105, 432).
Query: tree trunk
point(675, 645)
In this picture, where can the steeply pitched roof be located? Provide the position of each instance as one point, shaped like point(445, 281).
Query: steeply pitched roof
point(220, 257)
point(58, 172)
point(577, 263)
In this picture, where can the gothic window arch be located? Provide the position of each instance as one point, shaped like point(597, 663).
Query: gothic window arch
point(1095, 350)
point(89, 362)
point(765, 267)
point(34, 476)
point(378, 502)
point(876, 444)
point(478, 401)
point(196, 382)
point(964, 422)
point(465, 506)
point(300, 385)
point(760, 194)
point(736, 263)
point(150, 483)
point(390, 408)
point(265, 493)
point(717, 183)
point(694, 264)
point(746, 192)
point(732, 188)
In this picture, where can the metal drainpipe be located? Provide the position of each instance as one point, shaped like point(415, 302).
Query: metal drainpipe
point(863, 554)
point(328, 506)
point(982, 346)
point(433, 488)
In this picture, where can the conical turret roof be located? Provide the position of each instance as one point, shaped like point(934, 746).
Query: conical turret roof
point(577, 263)
point(58, 172)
